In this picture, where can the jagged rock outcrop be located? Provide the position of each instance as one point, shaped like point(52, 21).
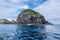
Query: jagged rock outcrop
point(29, 16)
point(13, 22)
point(5, 21)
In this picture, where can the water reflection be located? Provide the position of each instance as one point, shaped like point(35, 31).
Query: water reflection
point(30, 32)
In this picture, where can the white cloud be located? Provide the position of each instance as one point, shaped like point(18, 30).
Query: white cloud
point(31, 2)
point(10, 8)
point(25, 7)
point(50, 9)
point(17, 1)
point(7, 10)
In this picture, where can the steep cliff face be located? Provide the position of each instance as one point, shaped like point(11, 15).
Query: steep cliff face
point(31, 16)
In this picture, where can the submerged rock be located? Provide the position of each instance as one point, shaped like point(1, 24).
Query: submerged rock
point(29, 16)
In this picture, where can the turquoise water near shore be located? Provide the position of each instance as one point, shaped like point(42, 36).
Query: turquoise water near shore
point(29, 32)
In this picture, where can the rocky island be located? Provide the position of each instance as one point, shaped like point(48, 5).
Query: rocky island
point(27, 16)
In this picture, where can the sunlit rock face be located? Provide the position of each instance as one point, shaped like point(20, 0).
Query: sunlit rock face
point(30, 16)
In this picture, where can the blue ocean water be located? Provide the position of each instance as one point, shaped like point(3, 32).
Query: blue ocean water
point(29, 32)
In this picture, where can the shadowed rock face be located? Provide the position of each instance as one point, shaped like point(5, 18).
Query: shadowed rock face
point(31, 16)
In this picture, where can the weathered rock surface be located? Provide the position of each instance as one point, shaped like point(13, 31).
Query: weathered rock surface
point(29, 16)
point(5, 21)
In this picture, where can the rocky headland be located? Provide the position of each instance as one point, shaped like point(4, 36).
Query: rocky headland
point(27, 16)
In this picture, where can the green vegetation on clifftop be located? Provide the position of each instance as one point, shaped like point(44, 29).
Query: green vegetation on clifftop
point(31, 16)
point(30, 12)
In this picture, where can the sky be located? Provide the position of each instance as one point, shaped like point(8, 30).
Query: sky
point(9, 9)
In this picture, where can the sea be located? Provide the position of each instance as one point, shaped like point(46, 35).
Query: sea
point(29, 32)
